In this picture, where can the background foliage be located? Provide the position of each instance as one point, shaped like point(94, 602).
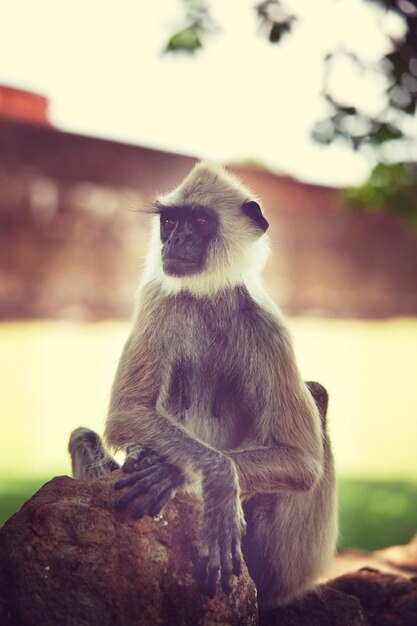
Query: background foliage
point(389, 132)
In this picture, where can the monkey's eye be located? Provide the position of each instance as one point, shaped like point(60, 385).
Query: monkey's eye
point(200, 220)
point(168, 223)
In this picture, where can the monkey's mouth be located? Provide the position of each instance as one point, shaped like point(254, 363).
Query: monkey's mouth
point(175, 257)
point(174, 265)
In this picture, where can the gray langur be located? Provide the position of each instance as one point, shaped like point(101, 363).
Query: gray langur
point(208, 395)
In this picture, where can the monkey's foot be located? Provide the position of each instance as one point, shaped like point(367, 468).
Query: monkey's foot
point(222, 526)
point(222, 534)
point(88, 457)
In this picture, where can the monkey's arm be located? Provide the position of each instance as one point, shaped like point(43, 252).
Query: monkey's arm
point(275, 468)
point(133, 417)
point(279, 466)
point(222, 523)
point(137, 416)
point(285, 452)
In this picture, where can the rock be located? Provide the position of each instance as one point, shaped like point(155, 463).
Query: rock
point(398, 560)
point(364, 598)
point(322, 606)
point(386, 599)
point(67, 559)
point(402, 557)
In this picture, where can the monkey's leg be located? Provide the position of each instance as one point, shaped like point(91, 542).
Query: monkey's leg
point(88, 456)
point(321, 398)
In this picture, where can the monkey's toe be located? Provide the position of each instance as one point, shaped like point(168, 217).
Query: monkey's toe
point(82, 434)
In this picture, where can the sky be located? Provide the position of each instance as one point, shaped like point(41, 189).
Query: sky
point(101, 64)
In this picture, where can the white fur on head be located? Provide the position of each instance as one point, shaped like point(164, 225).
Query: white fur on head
point(238, 253)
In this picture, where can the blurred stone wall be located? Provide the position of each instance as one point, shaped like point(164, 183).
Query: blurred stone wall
point(73, 230)
point(327, 261)
point(73, 233)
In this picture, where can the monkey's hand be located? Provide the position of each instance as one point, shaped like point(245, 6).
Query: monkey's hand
point(152, 482)
point(138, 458)
point(222, 524)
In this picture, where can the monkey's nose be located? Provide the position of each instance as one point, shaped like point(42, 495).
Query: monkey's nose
point(177, 239)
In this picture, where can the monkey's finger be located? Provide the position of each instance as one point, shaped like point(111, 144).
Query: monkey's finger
point(140, 509)
point(134, 458)
point(130, 465)
point(160, 502)
point(132, 455)
point(237, 557)
point(156, 490)
point(155, 479)
point(160, 469)
point(125, 482)
point(202, 572)
point(213, 568)
point(149, 499)
point(150, 458)
point(135, 478)
point(213, 573)
point(127, 497)
point(226, 567)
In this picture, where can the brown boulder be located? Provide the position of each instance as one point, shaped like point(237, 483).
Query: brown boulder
point(321, 606)
point(403, 557)
point(364, 598)
point(387, 600)
point(68, 559)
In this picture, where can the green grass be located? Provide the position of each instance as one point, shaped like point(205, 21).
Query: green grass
point(376, 514)
point(14, 493)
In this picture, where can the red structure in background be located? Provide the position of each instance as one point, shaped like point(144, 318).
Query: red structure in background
point(19, 104)
point(73, 233)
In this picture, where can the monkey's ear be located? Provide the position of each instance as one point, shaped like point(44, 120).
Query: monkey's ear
point(253, 211)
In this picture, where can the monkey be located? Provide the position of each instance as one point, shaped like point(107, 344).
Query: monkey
point(208, 396)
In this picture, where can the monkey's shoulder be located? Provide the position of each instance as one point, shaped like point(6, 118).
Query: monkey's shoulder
point(232, 323)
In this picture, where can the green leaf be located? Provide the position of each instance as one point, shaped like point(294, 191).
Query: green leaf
point(385, 132)
point(186, 40)
point(391, 187)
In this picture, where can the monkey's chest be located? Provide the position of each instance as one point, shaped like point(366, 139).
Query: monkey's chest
point(206, 396)
point(205, 385)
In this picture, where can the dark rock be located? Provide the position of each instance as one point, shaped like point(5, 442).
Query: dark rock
point(67, 559)
point(322, 606)
point(402, 557)
point(350, 561)
point(386, 599)
point(398, 560)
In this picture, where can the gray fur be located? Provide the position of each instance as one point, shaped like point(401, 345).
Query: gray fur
point(88, 457)
point(209, 383)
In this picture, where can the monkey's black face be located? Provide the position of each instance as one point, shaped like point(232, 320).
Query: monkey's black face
point(186, 233)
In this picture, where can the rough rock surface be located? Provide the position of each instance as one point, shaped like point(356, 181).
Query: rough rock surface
point(67, 559)
point(322, 606)
point(399, 560)
point(402, 557)
point(386, 599)
point(364, 598)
